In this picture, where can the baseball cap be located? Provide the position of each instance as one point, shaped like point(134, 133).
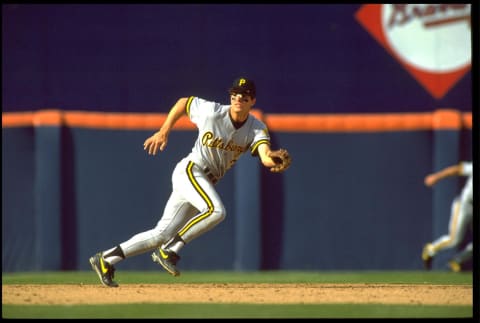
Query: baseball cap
point(243, 85)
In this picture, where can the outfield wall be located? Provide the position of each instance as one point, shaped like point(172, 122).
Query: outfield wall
point(75, 183)
point(364, 127)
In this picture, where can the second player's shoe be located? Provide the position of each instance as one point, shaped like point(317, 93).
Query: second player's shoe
point(455, 266)
point(104, 270)
point(167, 259)
point(426, 258)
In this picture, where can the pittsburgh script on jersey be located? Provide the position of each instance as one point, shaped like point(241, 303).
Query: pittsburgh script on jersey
point(209, 141)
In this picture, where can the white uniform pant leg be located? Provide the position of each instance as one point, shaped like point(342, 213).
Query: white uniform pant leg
point(176, 213)
point(201, 194)
point(460, 215)
point(466, 254)
point(193, 208)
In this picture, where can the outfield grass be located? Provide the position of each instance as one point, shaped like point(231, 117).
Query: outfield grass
point(241, 310)
point(236, 311)
point(154, 277)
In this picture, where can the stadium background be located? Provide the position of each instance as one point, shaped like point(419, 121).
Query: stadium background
point(352, 200)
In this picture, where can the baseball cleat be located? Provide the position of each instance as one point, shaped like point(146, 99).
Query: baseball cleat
point(104, 270)
point(427, 259)
point(454, 266)
point(167, 259)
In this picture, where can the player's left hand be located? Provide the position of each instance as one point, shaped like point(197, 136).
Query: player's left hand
point(282, 160)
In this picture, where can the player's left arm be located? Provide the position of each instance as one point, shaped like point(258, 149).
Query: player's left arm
point(276, 160)
point(264, 152)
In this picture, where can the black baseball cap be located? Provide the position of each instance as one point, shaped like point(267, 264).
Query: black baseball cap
point(243, 85)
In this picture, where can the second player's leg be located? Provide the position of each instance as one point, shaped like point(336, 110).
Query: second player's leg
point(456, 228)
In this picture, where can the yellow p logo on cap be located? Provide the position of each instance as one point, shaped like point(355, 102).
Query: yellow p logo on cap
point(241, 82)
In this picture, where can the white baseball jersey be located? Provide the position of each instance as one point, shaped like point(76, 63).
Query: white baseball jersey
point(219, 143)
point(194, 206)
point(461, 214)
point(467, 191)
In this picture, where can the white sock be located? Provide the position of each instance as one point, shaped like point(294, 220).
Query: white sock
point(111, 257)
point(176, 246)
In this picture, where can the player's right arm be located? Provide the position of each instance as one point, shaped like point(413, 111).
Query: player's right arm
point(158, 141)
point(432, 179)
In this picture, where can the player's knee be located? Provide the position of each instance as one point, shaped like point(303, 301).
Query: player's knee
point(218, 213)
point(158, 239)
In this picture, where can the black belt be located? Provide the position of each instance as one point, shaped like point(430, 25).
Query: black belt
point(210, 176)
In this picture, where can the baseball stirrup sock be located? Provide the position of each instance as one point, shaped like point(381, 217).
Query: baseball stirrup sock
point(176, 244)
point(114, 255)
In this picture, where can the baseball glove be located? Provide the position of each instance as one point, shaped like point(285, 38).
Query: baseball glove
point(282, 160)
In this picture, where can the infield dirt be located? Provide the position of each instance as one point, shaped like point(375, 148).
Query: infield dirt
point(240, 293)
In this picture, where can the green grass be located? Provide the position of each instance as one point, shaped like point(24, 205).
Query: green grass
point(156, 277)
point(236, 311)
point(240, 310)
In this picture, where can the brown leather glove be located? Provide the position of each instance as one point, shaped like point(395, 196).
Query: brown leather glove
point(282, 160)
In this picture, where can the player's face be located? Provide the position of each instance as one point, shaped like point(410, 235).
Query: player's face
point(241, 102)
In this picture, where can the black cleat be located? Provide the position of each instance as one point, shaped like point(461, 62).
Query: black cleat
point(167, 259)
point(104, 270)
point(427, 259)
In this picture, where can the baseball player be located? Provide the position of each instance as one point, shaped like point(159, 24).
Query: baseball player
point(461, 216)
point(194, 207)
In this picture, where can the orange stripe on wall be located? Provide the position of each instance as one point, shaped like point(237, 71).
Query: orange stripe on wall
point(17, 119)
point(467, 120)
point(444, 119)
point(350, 122)
point(47, 118)
point(439, 120)
point(127, 121)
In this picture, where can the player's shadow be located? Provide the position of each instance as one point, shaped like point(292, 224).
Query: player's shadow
point(272, 216)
